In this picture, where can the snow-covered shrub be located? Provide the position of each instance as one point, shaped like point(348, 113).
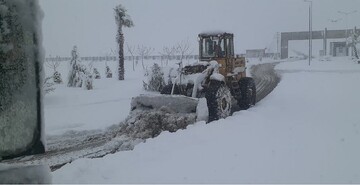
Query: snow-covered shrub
point(96, 74)
point(57, 77)
point(108, 72)
point(156, 80)
point(88, 81)
point(79, 75)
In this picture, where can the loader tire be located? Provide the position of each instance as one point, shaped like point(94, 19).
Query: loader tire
point(167, 89)
point(218, 97)
point(248, 93)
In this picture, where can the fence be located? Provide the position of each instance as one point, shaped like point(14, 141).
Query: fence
point(114, 58)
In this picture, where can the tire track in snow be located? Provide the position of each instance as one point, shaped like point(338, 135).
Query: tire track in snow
point(266, 79)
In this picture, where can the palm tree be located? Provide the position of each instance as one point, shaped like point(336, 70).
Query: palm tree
point(122, 20)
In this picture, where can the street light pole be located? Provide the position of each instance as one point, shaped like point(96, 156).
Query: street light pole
point(310, 30)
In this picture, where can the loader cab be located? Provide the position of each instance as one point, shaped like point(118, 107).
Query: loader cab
point(216, 46)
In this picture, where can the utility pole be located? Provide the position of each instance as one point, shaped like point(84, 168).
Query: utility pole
point(277, 45)
point(310, 30)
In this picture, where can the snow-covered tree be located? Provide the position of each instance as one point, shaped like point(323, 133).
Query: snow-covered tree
point(183, 49)
point(155, 77)
point(74, 79)
point(131, 50)
point(79, 75)
point(122, 20)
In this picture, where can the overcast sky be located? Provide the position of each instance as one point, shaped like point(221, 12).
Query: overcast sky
point(90, 24)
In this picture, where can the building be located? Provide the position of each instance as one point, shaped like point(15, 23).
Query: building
point(255, 53)
point(338, 49)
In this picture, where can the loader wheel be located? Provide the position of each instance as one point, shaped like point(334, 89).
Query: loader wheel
point(218, 99)
point(167, 89)
point(248, 93)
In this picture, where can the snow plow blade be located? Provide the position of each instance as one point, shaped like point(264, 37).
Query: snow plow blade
point(173, 103)
point(152, 114)
point(175, 106)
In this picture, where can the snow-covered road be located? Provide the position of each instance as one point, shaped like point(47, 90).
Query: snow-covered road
point(75, 144)
point(266, 79)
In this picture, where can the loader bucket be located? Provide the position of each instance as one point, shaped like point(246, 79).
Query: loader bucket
point(152, 114)
point(173, 103)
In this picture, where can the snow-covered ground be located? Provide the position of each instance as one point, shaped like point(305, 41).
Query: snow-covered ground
point(306, 131)
point(107, 104)
point(79, 109)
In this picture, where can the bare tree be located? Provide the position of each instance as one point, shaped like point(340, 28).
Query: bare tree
point(168, 52)
point(56, 74)
point(131, 50)
point(182, 49)
point(162, 56)
point(53, 65)
point(122, 20)
point(143, 52)
point(109, 56)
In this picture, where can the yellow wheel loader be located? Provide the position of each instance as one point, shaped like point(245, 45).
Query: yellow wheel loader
point(219, 77)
